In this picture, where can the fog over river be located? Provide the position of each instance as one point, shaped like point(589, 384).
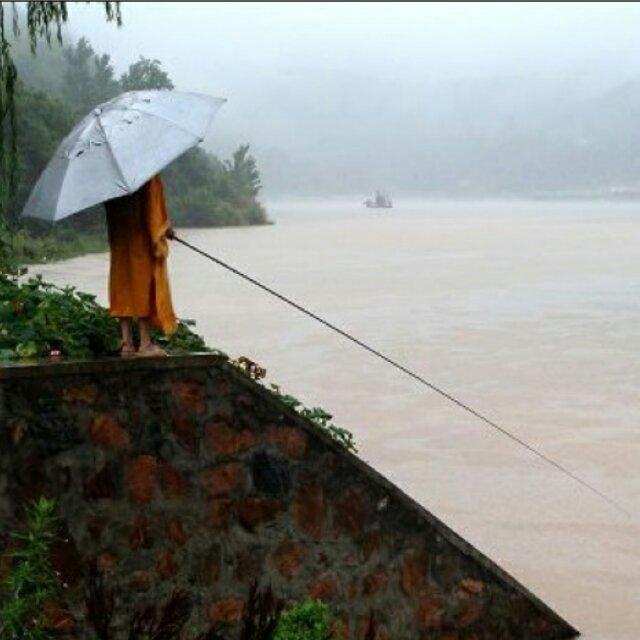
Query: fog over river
point(529, 312)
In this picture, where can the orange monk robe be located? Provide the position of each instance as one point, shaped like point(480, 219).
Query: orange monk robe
point(138, 279)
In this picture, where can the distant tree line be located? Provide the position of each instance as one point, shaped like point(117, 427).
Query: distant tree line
point(61, 85)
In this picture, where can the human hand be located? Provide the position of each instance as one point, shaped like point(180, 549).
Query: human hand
point(171, 234)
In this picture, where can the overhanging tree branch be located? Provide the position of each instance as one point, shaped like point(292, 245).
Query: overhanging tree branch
point(43, 19)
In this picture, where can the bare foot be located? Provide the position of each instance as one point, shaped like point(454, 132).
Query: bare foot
point(151, 351)
point(127, 350)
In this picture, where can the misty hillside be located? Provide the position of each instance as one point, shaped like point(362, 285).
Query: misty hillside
point(520, 101)
point(506, 135)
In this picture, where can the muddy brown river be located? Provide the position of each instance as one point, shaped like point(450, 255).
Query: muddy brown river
point(529, 312)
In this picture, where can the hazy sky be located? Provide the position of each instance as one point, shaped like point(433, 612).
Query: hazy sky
point(312, 82)
point(395, 39)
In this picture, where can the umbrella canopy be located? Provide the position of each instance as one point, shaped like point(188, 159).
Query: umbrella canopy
point(115, 149)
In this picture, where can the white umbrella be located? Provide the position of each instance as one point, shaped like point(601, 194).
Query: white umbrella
point(115, 149)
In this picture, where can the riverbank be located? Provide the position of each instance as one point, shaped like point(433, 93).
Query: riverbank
point(60, 242)
point(30, 248)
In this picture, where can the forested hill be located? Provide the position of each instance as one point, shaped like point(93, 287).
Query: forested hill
point(60, 85)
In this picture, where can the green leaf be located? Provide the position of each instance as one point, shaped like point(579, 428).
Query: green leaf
point(27, 350)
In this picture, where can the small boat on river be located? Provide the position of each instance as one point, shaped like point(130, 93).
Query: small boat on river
point(379, 201)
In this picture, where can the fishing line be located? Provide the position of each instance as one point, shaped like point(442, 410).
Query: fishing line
point(415, 376)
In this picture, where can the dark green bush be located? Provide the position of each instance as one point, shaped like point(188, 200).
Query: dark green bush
point(310, 620)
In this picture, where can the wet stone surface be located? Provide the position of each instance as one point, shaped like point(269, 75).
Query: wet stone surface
point(184, 476)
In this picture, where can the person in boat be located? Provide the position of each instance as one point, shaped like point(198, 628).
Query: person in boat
point(138, 228)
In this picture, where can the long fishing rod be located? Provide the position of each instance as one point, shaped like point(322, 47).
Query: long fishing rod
point(404, 369)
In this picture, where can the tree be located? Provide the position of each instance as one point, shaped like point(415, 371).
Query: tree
point(88, 77)
point(41, 18)
point(65, 82)
point(244, 170)
point(145, 74)
point(42, 122)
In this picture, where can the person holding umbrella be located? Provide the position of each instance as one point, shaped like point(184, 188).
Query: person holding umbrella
point(138, 227)
point(114, 156)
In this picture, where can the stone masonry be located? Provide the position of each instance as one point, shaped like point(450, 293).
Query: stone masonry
point(182, 474)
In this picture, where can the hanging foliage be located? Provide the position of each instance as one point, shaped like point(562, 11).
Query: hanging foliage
point(43, 19)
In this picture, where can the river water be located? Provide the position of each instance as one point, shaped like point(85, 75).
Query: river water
point(529, 312)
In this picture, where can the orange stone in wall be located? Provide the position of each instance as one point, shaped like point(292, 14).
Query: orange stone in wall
point(81, 394)
point(220, 512)
point(472, 586)
point(470, 608)
point(106, 431)
point(412, 574)
point(190, 397)
point(57, 618)
point(324, 587)
point(429, 614)
point(254, 510)
point(224, 440)
point(166, 565)
point(176, 533)
point(224, 478)
point(372, 542)
point(288, 558)
point(226, 610)
point(309, 509)
point(291, 441)
point(350, 515)
point(141, 478)
point(374, 582)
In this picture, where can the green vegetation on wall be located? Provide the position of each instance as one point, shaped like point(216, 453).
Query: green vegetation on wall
point(310, 620)
point(31, 586)
point(318, 416)
point(37, 318)
point(31, 583)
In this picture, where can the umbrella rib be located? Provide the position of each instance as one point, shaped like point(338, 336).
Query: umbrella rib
point(127, 189)
point(55, 209)
point(172, 122)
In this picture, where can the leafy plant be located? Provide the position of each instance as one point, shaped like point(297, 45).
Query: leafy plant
point(37, 317)
point(320, 418)
point(32, 581)
point(309, 620)
point(184, 340)
point(6, 249)
point(252, 369)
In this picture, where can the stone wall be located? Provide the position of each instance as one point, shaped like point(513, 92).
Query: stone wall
point(182, 475)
